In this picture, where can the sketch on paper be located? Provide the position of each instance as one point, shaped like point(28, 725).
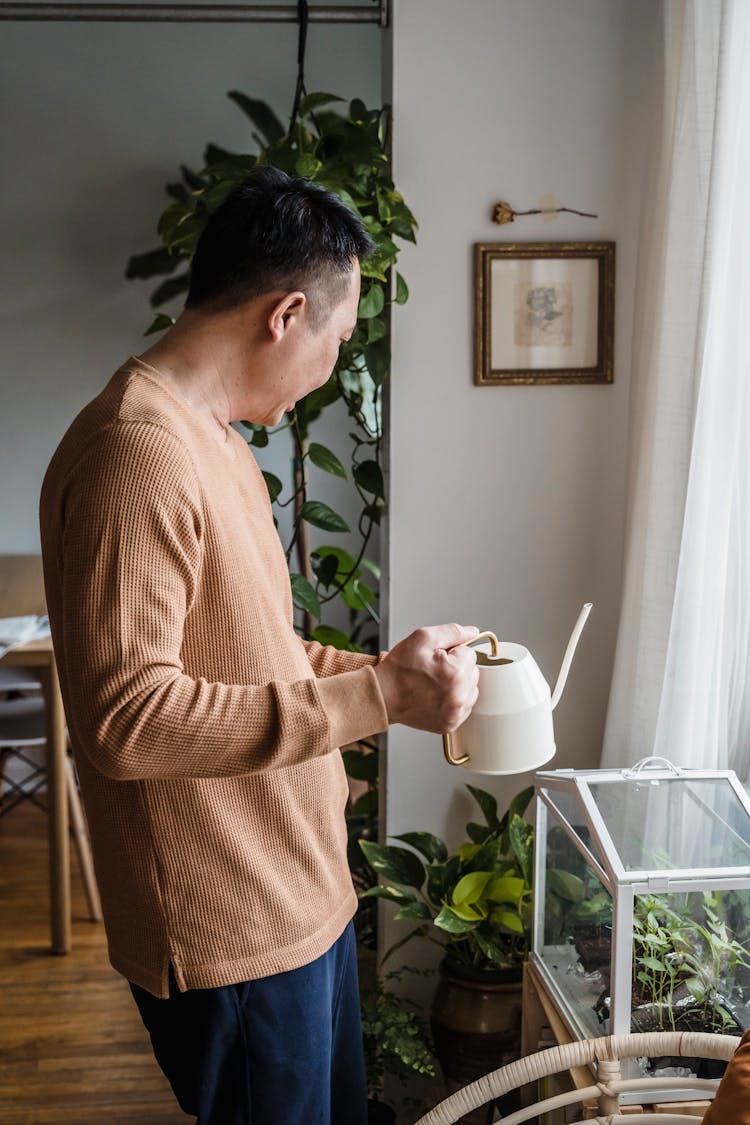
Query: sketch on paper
point(543, 314)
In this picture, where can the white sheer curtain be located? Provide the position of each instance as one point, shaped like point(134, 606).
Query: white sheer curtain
point(680, 684)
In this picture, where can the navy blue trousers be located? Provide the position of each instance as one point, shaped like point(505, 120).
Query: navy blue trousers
point(283, 1050)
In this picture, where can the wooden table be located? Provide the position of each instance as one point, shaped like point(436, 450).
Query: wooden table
point(40, 656)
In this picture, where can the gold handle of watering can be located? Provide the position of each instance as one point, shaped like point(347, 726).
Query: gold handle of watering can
point(447, 740)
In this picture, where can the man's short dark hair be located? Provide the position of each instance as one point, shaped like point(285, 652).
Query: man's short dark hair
point(277, 233)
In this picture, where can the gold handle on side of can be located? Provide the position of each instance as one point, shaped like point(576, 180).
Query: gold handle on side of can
point(447, 740)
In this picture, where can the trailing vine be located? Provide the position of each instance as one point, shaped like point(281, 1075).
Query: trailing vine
point(345, 149)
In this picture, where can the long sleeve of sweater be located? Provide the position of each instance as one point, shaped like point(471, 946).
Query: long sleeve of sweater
point(134, 545)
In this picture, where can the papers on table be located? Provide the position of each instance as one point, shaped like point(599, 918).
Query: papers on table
point(15, 631)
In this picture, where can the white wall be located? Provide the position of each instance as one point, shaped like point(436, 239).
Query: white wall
point(507, 504)
point(94, 119)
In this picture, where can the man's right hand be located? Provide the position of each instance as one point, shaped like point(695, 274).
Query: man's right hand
point(425, 684)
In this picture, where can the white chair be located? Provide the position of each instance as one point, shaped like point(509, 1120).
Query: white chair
point(604, 1054)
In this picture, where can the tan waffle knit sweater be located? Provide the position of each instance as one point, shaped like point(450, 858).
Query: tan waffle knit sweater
point(204, 730)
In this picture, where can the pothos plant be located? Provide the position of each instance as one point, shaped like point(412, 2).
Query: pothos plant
point(345, 149)
point(475, 903)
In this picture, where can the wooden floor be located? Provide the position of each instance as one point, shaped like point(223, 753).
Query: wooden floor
point(73, 1050)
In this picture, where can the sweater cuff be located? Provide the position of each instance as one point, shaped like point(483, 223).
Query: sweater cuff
point(354, 705)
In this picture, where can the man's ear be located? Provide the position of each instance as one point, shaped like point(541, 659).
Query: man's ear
point(285, 313)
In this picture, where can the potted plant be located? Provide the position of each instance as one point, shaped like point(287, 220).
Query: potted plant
point(476, 904)
point(397, 1042)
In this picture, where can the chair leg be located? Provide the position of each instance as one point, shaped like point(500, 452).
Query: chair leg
point(80, 833)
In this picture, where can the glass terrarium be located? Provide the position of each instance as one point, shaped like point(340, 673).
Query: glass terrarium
point(642, 901)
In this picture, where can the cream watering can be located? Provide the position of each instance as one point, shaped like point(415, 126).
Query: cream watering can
point(510, 727)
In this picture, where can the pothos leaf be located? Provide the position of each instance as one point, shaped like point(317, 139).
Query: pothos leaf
point(303, 595)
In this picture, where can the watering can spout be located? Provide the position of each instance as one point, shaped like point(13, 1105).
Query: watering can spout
point(569, 653)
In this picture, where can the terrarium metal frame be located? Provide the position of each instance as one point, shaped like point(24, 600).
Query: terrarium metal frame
point(623, 885)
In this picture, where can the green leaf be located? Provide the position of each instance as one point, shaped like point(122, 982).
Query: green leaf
point(565, 885)
point(413, 910)
point(357, 594)
point(313, 101)
point(181, 231)
point(477, 832)
point(366, 805)
point(431, 847)
point(402, 290)
point(521, 801)
point(469, 911)
point(653, 963)
point(373, 568)
point(372, 302)
point(325, 568)
point(392, 894)
point(487, 804)
point(362, 767)
point(336, 638)
point(152, 263)
point(648, 939)
point(258, 435)
point(324, 459)
point(159, 323)
point(261, 115)
point(273, 484)
point(194, 180)
point(469, 889)
point(303, 595)
point(372, 511)
point(449, 921)
point(376, 329)
point(508, 920)
point(486, 856)
point(697, 988)
point(521, 836)
point(492, 951)
point(320, 515)
point(398, 865)
point(378, 359)
point(215, 154)
point(344, 560)
point(308, 166)
point(369, 477)
point(506, 888)
point(357, 110)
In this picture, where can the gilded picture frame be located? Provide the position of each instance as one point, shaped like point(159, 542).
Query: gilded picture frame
point(544, 312)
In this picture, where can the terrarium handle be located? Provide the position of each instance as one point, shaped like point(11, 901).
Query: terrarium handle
point(652, 762)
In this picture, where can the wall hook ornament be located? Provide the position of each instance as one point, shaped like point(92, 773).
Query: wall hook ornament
point(503, 213)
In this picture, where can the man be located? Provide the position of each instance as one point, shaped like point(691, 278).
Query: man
point(205, 731)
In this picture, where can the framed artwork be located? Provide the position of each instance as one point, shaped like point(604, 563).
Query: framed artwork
point(544, 312)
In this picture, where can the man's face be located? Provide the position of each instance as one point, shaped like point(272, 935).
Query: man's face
point(309, 352)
